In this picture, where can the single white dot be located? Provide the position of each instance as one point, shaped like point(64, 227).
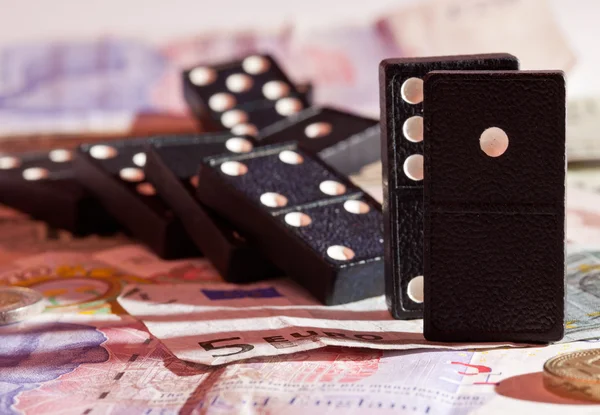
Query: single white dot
point(340, 253)
point(413, 167)
point(221, 102)
point(132, 174)
point(413, 129)
point(245, 129)
point(288, 106)
point(232, 118)
point(493, 141)
point(318, 129)
point(9, 162)
point(238, 145)
point(238, 82)
point(412, 90)
point(332, 188)
point(139, 159)
point(291, 157)
point(146, 189)
point(35, 173)
point(255, 64)
point(194, 180)
point(202, 76)
point(103, 152)
point(298, 219)
point(272, 199)
point(358, 207)
point(414, 289)
point(60, 155)
point(234, 168)
point(275, 89)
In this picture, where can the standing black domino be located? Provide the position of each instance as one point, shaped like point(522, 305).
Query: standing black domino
point(242, 96)
point(172, 167)
point(43, 185)
point(401, 91)
point(343, 140)
point(494, 256)
point(309, 220)
point(113, 172)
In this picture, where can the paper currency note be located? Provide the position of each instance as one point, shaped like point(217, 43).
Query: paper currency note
point(225, 323)
point(82, 282)
point(583, 213)
point(583, 122)
point(525, 28)
point(358, 381)
point(61, 363)
point(342, 63)
point(99, 86)
point(111, 365)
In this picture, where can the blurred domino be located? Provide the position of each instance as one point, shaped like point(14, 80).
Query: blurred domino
point(242, 96)
point(42, 184)
point(401, 90)
point(343, 140)
point(113, 172)
point(494, 222)
point(310, 221)
point(172, 167)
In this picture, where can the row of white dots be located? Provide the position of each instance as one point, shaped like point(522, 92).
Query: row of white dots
point(271, 199)
point(314, 130)
point(35, 173)
point(253, 65)
point(234, 117)
point(272, 90)
point(104, 152)
point(412, 93)
point(135, 174)
point(337, 252)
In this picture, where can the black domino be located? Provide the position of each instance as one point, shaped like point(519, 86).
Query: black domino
point(402, 151)
point(309, 220)
point(242, 95)
point(43, 185)
point(113, 172)
point(343, 140)
point(494, 223)
point(172, 167)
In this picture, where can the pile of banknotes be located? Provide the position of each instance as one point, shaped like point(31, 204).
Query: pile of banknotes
point(101, 325)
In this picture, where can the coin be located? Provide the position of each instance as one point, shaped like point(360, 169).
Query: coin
point(17, 304)
point(574, 375)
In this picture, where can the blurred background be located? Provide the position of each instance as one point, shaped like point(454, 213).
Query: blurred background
point(72, 69)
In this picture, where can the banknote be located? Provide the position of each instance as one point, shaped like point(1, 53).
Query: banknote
point(99, 86)
point(583, 121)
point(65, 363)
point(342, 63)
point(89, 283)
point(84, 354)
point(359, 381)
point(526, 28)
point(583, 210)
point(224, 323)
